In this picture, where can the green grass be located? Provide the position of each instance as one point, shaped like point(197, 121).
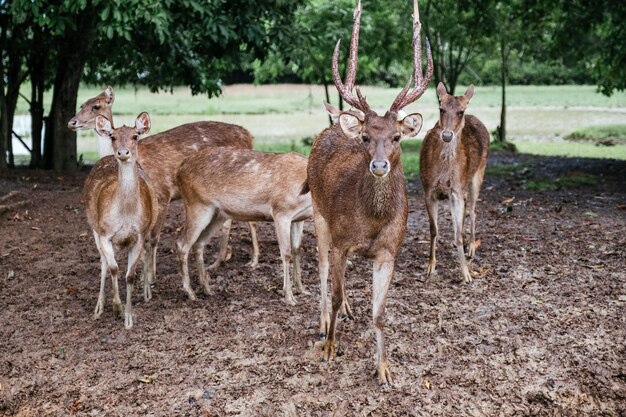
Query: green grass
point(613, 133)
point(572, 149)
point(514, 170)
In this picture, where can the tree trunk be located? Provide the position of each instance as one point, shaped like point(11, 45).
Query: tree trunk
point(60, 142)
point(37, 77)
point(3, 103)
point(503, 80)
point(15, 77)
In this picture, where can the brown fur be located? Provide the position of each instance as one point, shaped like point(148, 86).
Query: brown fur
point(240, 184)
point(162, 154)
point(454, 170)
point(122, 210)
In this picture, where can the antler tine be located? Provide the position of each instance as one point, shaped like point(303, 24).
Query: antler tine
point(346, 89)
point(421, 82)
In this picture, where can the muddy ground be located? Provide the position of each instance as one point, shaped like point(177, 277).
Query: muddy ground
point(541, 332)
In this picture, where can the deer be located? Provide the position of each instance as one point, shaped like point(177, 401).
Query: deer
point(453, 159)
point(358, 190)
point(122, 209)
point(162, 154)
point(241, 184)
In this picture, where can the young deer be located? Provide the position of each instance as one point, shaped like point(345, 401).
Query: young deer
point(122, 210)
point(452, 162)
point(161, 155)
point(359, 192)
point(240, 184)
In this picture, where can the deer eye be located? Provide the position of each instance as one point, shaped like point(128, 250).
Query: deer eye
point(460, 114)
point(135, 137)
point(396, 138)
point(441, 111)
point(113, 138)
point(365, 138)
point(96, 108)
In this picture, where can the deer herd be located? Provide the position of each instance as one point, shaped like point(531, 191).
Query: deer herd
point(352, 186)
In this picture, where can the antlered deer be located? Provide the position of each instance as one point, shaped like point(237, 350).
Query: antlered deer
point(240, 184)
point(122, 210)
point(452, 163)
point(359, 192)
point(161, 155)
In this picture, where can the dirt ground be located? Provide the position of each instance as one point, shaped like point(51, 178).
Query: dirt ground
point(541, 332)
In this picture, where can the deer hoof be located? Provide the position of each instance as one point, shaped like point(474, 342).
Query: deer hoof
point(384, 375)
point(329, 351)
point(290, 300)
point(117, 309)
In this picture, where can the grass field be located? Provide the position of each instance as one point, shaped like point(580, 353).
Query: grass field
point(281, 116)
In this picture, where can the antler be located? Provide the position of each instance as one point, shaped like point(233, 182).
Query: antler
point(346, 90)
point(421, 83)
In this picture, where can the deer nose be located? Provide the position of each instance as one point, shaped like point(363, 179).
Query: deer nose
point(123, 154)
point(72, 123)
point(379, 168)
point(447, 135)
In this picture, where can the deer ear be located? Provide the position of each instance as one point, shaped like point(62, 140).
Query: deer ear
point(350, 125)
point(103, 126)
point(469, 93)
point(142, 124)
point(411, 124)
point(441, 90)
point(109, 96)
point(332, 111)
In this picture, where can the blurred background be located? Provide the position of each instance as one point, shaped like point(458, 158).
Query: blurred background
point(550, 75)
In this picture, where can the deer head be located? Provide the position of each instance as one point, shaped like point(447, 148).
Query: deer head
point(90, 109)
point(452, 112)
point(124, 139)
point(380, 135)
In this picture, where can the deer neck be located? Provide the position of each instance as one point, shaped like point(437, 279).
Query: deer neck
point(104, 145)
point(382, 194)
point(128, 186)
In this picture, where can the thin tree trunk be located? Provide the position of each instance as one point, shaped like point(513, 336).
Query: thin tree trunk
point(60, 142)
point(37, 72)
point(4, 126)
point(503, 81)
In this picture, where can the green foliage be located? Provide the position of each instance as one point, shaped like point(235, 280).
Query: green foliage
point(574, 180)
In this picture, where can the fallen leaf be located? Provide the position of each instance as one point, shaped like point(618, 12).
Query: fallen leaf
point(147, 379)
point(271, 288)
point(71, 290)
point(35, 228)
point(83, 235)
point(11, 275)
point(507, 201)
point(426, 383)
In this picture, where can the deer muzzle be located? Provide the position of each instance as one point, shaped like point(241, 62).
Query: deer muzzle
point(447, 135)
point(73, 124)
point(123, 154)
point(380, 168)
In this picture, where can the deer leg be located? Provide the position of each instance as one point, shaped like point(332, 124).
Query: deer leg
point(103, 276)
point(296, 242)
point(283, 229)
point(225, 253)
point(432, 208)
point(197, 220)
point(457, 207)
point(133, 259)
point(337, 272)
point(214, 226)
point(323, 246)
point(254, 262)
point(383, 272)
point(473, 197)
point(109, 254)
point(148, 263)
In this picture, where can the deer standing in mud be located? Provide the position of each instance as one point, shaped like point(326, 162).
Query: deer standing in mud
point(359, 192)
point(452, 165)
point(240, 184)
point(122, 210)
point(161, 155)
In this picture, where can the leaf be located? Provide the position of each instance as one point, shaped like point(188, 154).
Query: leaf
point(426, 383)
point(11, 275)
point(147, 379)
point(507, 201)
